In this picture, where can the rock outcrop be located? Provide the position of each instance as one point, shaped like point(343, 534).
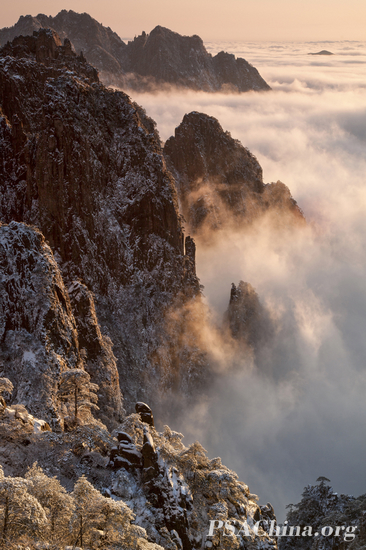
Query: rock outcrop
point(219, 181)
point(151, 60)
point(247, 320)
point(101, 46)
point(39, 338)
point(145, 413)
point(84, 164)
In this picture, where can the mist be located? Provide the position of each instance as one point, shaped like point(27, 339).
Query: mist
point(280, 431)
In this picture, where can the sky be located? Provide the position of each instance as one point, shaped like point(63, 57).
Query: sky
point(281, 432)
point(254, 20)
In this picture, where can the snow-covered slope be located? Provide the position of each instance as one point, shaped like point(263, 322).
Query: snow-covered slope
point(39, 338)
point(175, 492)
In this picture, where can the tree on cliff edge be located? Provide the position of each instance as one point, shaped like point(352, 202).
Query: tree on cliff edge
point(75, 387)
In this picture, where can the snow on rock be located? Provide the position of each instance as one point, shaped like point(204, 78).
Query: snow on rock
point(38, 334)
point(187, 490)
point(19, 413)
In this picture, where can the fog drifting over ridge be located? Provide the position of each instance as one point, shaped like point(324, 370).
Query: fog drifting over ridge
point(281, 433)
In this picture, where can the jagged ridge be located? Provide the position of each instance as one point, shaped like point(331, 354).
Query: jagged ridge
point(150, 60)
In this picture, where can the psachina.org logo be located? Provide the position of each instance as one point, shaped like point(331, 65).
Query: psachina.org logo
point(228, 529)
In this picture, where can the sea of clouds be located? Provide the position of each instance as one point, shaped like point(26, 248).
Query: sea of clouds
point(305, 419)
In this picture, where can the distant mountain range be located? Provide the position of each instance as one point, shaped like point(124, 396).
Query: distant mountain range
point(161, 58)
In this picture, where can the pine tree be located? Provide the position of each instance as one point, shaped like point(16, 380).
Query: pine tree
point(75, 386)
point(117, 528)
point(56, 502)
point(20, 512)
point(88, 514)
point(319, 507)
point(100, 522)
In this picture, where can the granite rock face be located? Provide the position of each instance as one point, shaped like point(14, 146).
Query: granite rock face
point(219, 181)
point(39, 337)
point(84, 164)
point(160, 58)
point(174, 491)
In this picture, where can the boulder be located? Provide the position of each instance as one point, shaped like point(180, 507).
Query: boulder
point(145, 413)
point(123, 436)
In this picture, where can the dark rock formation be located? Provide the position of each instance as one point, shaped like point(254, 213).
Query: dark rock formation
point(149, 457)
point(145, 413)
point(246, 318)
point(97, 353)
point(39, 337)
point(84, 164)
point(159, 58)
point(122, 436)
point(125, 455)
point(101, 46)
point(173, 504)
point(45, 46)
point(219, 181)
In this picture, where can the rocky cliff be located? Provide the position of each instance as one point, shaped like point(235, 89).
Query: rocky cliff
point(84, 165)
point(152, 60)
point(219, 181)
point(39, 337)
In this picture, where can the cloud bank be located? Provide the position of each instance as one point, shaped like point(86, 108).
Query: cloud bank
point(304, 417)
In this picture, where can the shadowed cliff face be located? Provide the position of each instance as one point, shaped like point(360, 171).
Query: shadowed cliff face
point(219, 181)
point(161, 58)
point(84, 164)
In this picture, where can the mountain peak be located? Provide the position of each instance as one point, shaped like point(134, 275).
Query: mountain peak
point(162, 57)
point(219, 180)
